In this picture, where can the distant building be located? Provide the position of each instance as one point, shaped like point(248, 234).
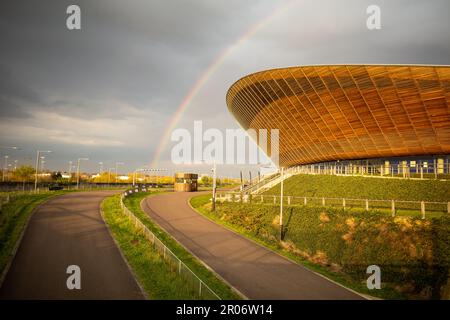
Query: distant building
point(185, 182)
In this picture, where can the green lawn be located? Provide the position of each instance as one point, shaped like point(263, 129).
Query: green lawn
point(217, 285)
point(413, 253)
point(364, 188)
point(13, 218)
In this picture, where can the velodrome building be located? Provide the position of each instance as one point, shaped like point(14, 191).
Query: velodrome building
point(377, 116)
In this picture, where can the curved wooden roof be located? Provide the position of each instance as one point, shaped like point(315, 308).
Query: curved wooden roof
point(337, 112)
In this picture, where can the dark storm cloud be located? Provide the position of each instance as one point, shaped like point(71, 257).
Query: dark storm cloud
point(13, 94)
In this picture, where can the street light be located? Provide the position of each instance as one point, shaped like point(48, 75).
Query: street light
point(38, 153)
point(214, 171)
point(213, 206)
point(109, 176)
point(118, 164)
point(78, 170)
point(101, 168)
point(6, 166)
point(8, 147)
point(70, 174)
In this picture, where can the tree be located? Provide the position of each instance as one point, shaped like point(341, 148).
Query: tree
point(206, 181)
point(24, 173)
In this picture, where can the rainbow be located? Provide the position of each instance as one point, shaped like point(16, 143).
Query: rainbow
point(206, 75)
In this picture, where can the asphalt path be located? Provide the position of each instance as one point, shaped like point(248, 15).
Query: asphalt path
point(255, 271)
point(69, 230)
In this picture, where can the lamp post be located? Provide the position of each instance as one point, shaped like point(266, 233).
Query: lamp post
point(70, 174)
point(214, 186)
point(38, 154)
point(6, 167)
point(145, 169)
point(78, 170)
point(281, 203)
point(142, 169)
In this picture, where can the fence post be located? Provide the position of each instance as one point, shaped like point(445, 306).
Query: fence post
point(343, 203)
point(200, 290)
point(274, 199)
point(262, 199)
point(289, 200)
point(305, 201)
point(393, 208)
point(179, 266)
point(367, 205)
point(422, 209)
point(323, 202)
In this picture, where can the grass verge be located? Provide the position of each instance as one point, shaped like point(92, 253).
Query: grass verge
point(154, 275)
point(142, 266)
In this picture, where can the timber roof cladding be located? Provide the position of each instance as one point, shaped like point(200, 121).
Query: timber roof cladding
point(338, 112)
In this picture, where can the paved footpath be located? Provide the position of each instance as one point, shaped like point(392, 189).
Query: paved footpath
point(254, 270)
point(69, 230)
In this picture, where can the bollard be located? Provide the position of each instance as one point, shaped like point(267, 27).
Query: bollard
point(305, 201)
point(367, 205)
point(289, 200)
point(274, 200)
point(343, 203)
point(323, 202)
point(262, 199)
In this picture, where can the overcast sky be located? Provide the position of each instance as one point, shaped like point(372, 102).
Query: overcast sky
point(107, 91)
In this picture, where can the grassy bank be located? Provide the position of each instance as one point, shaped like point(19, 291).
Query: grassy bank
point(13, 218)
point(414, 254)
point(154, 275)
point(364, 188)
point(217, 285)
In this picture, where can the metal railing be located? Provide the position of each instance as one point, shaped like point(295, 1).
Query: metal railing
point(6, 197)
point(399, 171)
point(392, 205)
point(174, 263)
